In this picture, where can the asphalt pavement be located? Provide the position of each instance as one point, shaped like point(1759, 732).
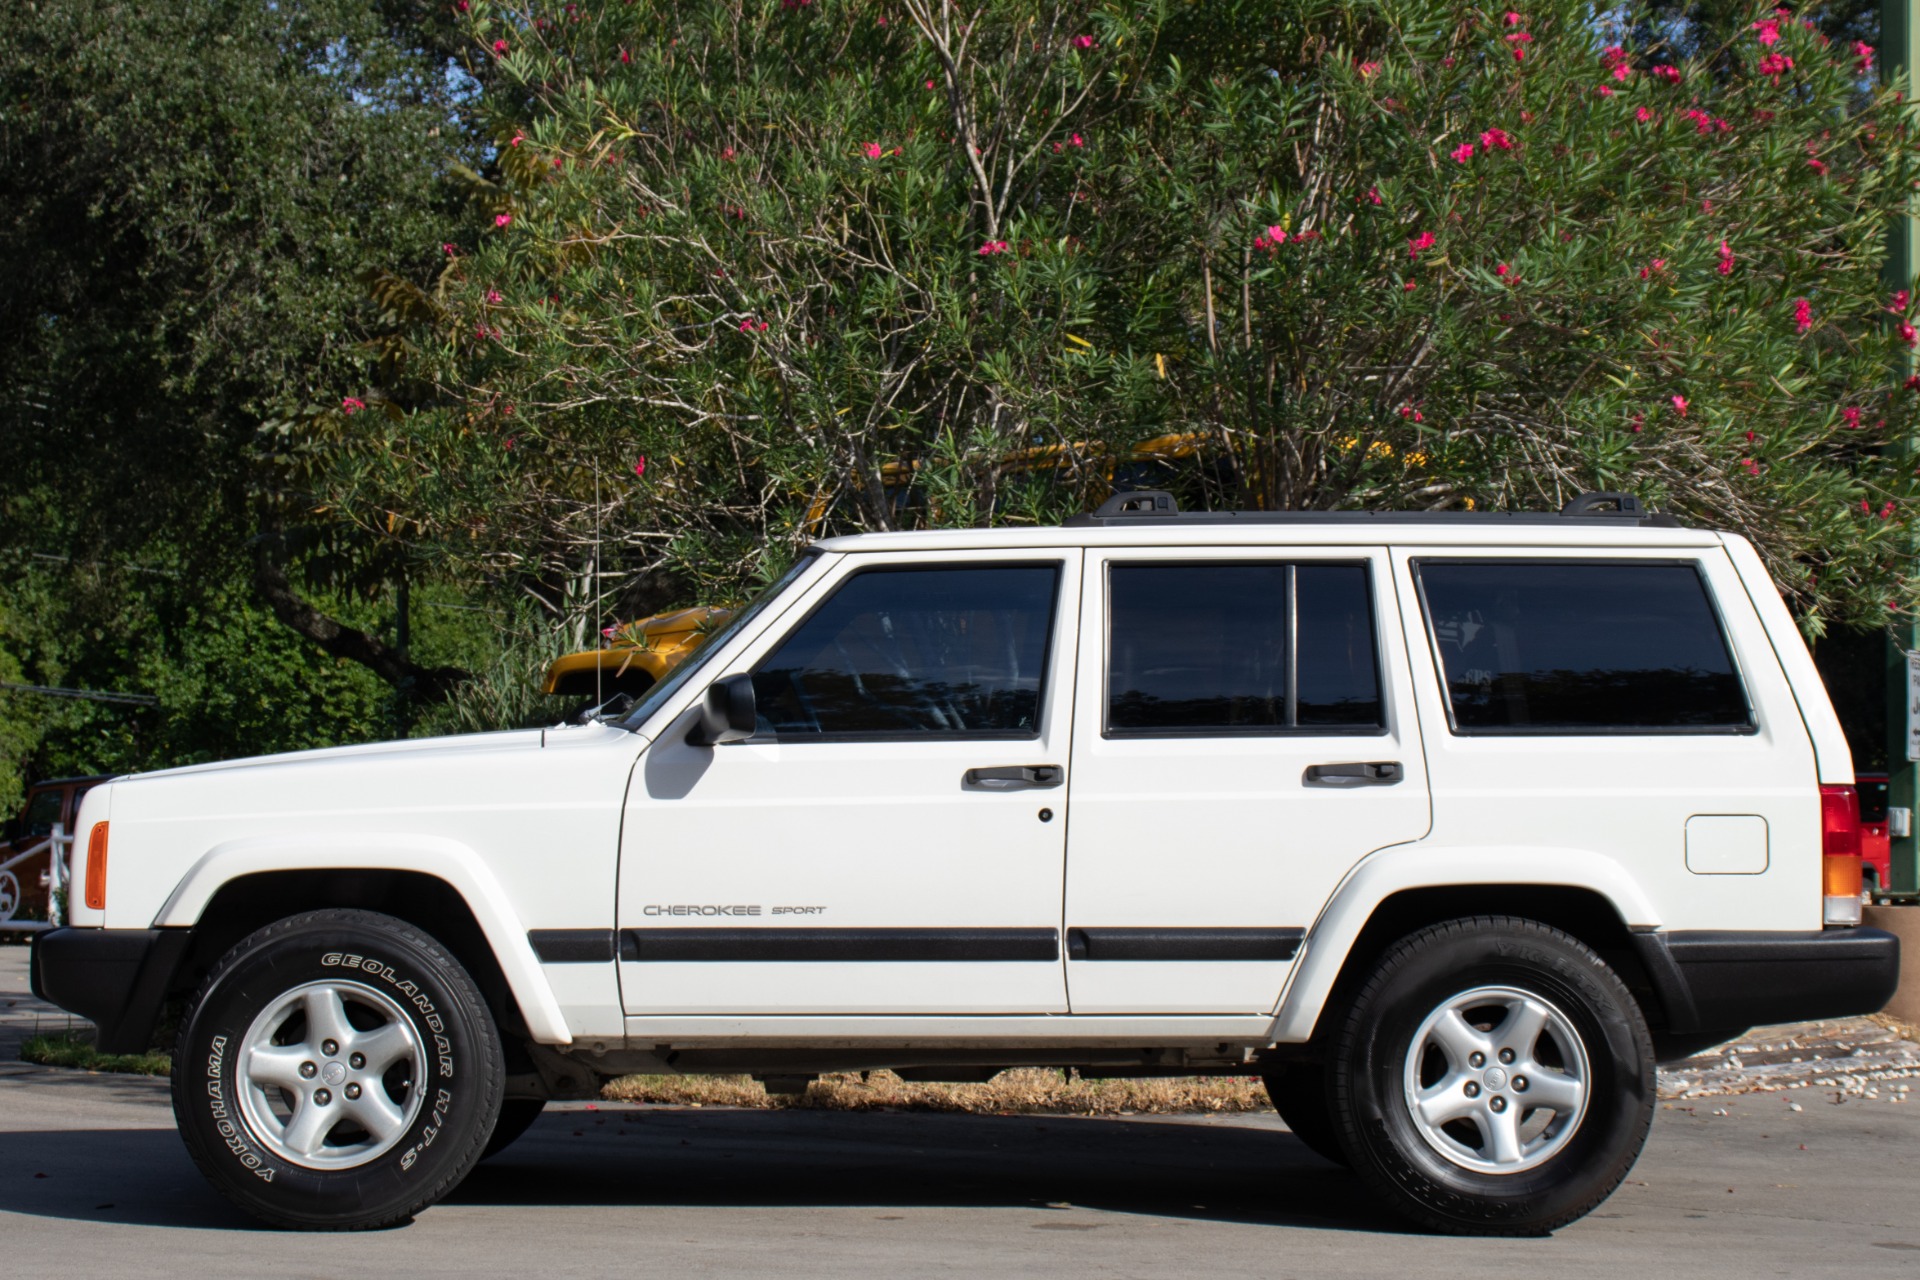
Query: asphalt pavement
point(93, 1181)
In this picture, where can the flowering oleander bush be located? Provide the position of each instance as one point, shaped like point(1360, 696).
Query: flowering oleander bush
point(763, 269)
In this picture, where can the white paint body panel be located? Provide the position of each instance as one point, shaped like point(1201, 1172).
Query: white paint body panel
point(1221, 832)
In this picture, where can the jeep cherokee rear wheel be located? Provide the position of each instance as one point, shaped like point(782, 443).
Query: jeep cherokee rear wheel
point(337, 1070)
point(1493, 1077)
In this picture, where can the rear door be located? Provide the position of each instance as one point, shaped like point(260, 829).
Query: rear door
point(891, 840)
point(1243, 737)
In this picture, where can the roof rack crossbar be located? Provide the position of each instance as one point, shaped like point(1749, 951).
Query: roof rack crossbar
point(1129, 507)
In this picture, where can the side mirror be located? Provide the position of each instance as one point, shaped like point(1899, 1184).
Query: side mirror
point(727, 715)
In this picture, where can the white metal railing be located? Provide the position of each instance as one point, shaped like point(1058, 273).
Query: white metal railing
point(58, 847)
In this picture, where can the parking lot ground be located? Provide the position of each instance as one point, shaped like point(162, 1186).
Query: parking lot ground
point(93, 1181)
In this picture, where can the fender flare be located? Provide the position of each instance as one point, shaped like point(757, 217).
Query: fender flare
point(1419, 866)
point(446, 860)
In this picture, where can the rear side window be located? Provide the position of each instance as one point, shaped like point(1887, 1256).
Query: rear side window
point(1199, 649)
point(949, 652)
point(1581, 647)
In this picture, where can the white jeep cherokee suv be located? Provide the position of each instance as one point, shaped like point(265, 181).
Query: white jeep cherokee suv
point(1448, 826)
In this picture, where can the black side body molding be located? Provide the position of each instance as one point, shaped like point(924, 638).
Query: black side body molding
point(1722, 980)
point(1183, 944)
point(571, 946)
point(117, 979)
point(802, 945)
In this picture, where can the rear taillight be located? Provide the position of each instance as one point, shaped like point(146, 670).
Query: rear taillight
point(96, 898)
point(1840, 863)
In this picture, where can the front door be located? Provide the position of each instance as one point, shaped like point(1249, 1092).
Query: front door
point(892, 838)
point(1242, 738)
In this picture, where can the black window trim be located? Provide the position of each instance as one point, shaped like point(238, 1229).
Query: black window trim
point(1292, 729)
point(1751, 728)
point(1057, 564)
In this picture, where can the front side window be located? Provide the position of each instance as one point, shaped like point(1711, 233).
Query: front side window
point(1581, 647)
point(1240, 648)
point(950, 651)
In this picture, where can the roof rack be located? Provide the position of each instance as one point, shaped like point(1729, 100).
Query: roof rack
point(1151, 506)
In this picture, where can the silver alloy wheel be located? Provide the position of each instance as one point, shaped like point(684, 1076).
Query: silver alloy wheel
point(329, 1075)
point(1497, 1080)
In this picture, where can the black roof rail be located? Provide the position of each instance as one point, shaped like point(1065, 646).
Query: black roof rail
point(1150, 506)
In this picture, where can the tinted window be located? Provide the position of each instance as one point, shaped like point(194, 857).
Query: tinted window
point(916, 651)
point(43, 811)
point(1203, 648)
point(1571, 647)
point(1339, 671)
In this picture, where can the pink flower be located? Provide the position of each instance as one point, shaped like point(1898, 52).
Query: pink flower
point(1851, 416)
point(1621, 71)
point(1496, 139)
point(502, 219)
point(1908, 334)
point(1410, 286)
point(1643, 115)
point(750, 325)
point(1462, 153)
point(1680, 405)
point(1519, 37)
point(1368, 70)
point(1076, 140)
point(1519, 53)
point(448, 249)
point(1373, 195)
point(1802, 315)
point(352, 405)
point(1669, 74)
point(1898, 304)
point(1863, 57)
point(1753, 468)
point(1886, 509)
point(640, 466)
point(1702, 122)
point(1639, 422)
point(1512, 19)
point(1775, 65)
point(992, 247)
point(463, 6)
point(1818, 166)
point(1271, 238)
point(1084, 42)
point(1769, 29)
point(1503, 271)
point(516, 140)
point(1725, 265)
point(929, 84)
point(874, 151)
point(625, 56)
point(1419, 244)
point(608, 633)
point(493, 296)
point(1605, 91)
point(499, 48)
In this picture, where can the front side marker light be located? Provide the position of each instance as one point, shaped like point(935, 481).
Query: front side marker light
point(96, 897)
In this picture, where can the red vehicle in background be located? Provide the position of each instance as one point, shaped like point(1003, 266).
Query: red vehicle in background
point(26, 885)
point(1875, 852)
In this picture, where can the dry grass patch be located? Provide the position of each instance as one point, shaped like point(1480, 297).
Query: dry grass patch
point(1021, 1091)
point(1907, 1030)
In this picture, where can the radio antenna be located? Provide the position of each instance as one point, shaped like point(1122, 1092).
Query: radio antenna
point(593, 585)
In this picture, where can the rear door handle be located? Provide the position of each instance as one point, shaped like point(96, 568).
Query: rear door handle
point(1378, 773)
point(1015, 777)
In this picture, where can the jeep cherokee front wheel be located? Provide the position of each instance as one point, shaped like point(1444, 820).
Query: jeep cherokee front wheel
point(1493, 1077)
point(337, 1070)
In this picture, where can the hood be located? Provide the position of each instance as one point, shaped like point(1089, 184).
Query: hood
point(370, 752)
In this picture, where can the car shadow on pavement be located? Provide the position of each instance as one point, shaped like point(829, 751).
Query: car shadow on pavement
point(1212, 1171)
point(1221, 1172)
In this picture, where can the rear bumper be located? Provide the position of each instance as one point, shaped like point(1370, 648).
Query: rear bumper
point(115, 978)
point(1711, 980)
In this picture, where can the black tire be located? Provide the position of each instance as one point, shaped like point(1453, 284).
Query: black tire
point(1427, 1170)
point(429, 1113)
point(1298, 1091)
point(516, 1117)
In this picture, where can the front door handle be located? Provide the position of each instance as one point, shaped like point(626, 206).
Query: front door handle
point(1378, 773)
point(1015, 777)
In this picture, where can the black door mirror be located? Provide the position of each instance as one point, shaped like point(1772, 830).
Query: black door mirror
point(727, 714)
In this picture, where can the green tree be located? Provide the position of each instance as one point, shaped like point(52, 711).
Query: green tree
point(744, 258)
point(195, 191)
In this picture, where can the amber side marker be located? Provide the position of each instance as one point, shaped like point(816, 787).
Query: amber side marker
point(97, 868)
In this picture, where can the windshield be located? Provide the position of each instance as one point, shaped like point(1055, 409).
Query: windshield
point(653, 699)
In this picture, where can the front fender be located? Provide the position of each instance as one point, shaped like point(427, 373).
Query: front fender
point(1423, 866)
point(445, 860)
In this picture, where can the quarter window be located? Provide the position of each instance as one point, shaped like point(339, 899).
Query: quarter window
point(1240, 648)
point(952, 652)
point(1570, 647)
